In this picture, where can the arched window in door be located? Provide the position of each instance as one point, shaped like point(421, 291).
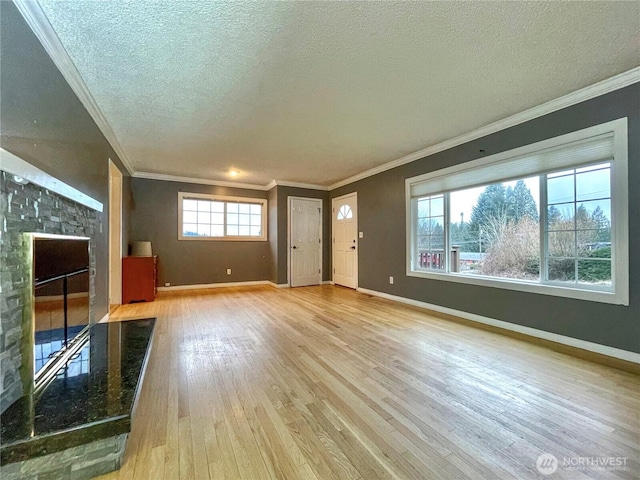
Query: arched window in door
point(345, 212)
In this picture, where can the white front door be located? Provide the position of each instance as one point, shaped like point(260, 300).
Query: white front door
point(345, 240)
point(305, 241)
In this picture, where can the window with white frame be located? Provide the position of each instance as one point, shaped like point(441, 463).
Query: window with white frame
point(550, 217)
point(214, 217)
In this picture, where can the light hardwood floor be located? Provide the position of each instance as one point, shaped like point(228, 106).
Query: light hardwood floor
point(326, 383)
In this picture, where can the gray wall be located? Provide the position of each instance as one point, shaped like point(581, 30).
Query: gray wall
point(154, 217)
point(381, 216)
point(272, 198)
point(43, 122)
point(283, 194)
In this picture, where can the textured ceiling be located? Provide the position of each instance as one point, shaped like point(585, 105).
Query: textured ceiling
point(316, 92)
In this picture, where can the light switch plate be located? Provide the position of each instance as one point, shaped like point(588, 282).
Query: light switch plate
point(361, 235)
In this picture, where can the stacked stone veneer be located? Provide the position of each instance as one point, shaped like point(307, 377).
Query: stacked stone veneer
point(29, 208)
point(76, 463)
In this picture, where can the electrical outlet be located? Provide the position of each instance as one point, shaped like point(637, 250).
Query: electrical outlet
point(167, 284)
point(391, 280)
point(228, 271)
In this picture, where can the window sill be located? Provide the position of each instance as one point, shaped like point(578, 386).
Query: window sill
point(528, 287)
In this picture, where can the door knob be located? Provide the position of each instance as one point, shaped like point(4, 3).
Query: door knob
point(294, 247)
point(352, 248)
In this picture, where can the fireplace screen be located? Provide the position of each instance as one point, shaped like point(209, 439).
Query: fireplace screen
point(61, 294)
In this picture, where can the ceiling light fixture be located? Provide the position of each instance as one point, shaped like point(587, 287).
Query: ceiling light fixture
point(233, 173)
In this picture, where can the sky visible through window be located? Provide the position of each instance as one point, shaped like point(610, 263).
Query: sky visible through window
point(496, 228)
point(463, 201)
point(551, 218)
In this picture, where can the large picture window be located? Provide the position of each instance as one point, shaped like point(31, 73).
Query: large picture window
point(549, 218)
point(211, 217)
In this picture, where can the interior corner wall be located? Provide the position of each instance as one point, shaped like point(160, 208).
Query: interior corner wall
point(283, 210)
point(382, 251)
point(154, 218)
point(43, 122)
point(272, 199)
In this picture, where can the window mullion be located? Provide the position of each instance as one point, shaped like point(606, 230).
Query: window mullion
point(575, 224)
point(544, 235)
point(414, 234)
point(224, 219)
point(445, 224)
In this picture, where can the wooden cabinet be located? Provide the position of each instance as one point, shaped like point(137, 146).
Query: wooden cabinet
point(139, 279)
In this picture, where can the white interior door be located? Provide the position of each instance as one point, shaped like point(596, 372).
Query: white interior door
point(115, 235)
point(305, 241)
point(345, 240)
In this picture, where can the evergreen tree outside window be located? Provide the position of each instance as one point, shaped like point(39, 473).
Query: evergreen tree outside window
point(558, 228)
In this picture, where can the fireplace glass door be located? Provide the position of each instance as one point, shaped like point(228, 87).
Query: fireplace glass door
point(61, 294)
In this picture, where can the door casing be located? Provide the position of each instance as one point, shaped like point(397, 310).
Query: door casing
point(290, 201)
point(115, 234)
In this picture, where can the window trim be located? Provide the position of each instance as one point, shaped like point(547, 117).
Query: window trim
point(227, 199)
point(619, 293)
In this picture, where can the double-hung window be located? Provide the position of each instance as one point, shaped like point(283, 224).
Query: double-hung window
point(214, 217)
point(550, 218)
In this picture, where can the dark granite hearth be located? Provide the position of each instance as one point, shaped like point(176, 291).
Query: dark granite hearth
point(92, 399)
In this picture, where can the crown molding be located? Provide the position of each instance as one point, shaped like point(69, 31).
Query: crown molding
point(37, 20)
point(222, 183)
point(198, 181)
point(271, 184)
point(609, 85)
point(309, 186)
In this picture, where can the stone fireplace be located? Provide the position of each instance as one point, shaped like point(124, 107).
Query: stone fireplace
point(68, 414)
point(27, 209)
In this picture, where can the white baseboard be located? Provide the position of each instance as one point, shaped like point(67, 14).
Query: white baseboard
point(553, 337)
point(279, 285)
point(105, 318)
point(213, 285)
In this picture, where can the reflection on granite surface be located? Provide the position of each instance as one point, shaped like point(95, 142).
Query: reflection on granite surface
point(61, 287)
point(50, 315)
point(91, 398)
point(48, 342)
